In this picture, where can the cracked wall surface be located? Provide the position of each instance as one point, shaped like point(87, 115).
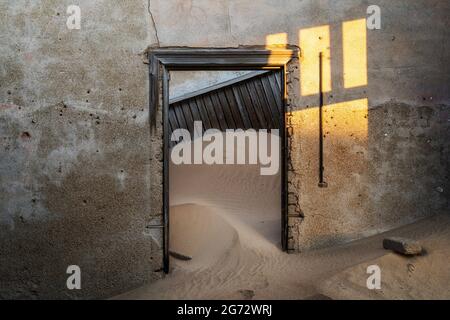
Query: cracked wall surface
point(80, 166)
point(76, 168)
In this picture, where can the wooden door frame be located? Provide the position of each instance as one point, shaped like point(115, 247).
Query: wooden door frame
point(164, 60)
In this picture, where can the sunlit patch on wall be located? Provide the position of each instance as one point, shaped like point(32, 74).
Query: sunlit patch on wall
point(354, 44)
point(312, 42)
point(344, 119)
point(277, 39)
point(347, 119)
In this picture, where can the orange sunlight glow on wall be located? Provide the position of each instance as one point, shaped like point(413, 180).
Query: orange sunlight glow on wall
point(312, 42)
point(354, 44)
point(346, 119)
point(277, 39)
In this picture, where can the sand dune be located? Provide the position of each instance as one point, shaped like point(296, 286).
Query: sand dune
point(200, 233)
point(227, 218)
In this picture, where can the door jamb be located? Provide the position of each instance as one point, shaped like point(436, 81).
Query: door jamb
point(164, 60)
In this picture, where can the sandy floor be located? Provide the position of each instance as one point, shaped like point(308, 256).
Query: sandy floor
point(227, 218)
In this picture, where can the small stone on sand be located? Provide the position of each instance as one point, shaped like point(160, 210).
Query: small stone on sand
point(403, 246)
point(247, 294)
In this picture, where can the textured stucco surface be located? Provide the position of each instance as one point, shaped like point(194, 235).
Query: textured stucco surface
point(80, 170)
point(75, 164)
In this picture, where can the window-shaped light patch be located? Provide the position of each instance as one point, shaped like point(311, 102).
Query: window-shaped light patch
point(277, 39)
point(354, 44)
point(342, 120)
point(274, 41)
point(347, 119)
point(312, 42)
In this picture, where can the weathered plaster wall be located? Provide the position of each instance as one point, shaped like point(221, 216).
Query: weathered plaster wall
point(386, 143)
point(75, 159)
point(79, 164)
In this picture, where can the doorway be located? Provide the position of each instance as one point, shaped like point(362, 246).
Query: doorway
point(164, 61)
point(217, 208)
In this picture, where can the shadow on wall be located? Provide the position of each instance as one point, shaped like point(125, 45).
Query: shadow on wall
point(385, 165)
point(67, 202)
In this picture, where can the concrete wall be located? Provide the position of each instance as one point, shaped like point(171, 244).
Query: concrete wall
point(75, 166)
point(385, 165)
point(80, 166)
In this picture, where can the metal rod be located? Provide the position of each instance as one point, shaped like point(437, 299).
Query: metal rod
point(322, 183)
point(165, 114)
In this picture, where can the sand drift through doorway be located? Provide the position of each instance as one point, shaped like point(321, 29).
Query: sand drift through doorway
point(224, 183)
